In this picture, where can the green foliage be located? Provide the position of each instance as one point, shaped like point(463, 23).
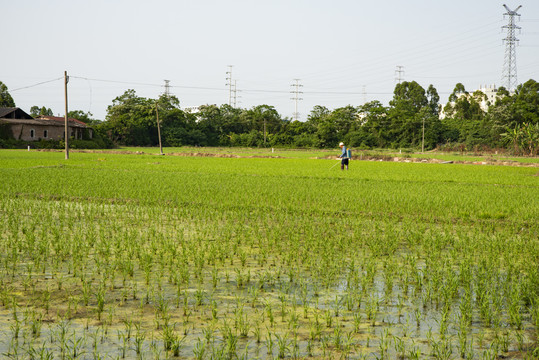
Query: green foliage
point(526, 103)
point(131, 120)
point(97, 142)
point(5, 131)
point(466, 123)
point(36, 111)
point(5, 98)
point(411, 119)
point(523, 139)
point(85, 117)
point(410, 110)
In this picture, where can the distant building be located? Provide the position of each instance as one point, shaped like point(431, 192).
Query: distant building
point(490, 92)
point(191, 109)
point(25, 127)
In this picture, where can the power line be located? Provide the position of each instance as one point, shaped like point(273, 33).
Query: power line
point(364, 90)
point(145, 84)
point(267, 91)
point(34, 85)
point(116, 81)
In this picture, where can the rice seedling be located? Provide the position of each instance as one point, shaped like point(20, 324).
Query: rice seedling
point(259, 244)
point(283, 344)
point(200, 349)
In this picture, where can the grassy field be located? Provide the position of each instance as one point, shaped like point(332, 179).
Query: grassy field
point(112, 255)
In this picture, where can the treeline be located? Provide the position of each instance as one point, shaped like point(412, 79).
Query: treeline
point(411, 120)
point(414, 118)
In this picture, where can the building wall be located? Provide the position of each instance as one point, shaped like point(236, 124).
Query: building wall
point(45, 132)
point(490, 91)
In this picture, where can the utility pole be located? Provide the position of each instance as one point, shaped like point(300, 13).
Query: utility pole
point(229, 83)
point(158, 129)
point(423, 137)
point(262, 111)
point(296, 97)
point(509, 73)
point(66, 136)
point(167, 88)
point(398, 73)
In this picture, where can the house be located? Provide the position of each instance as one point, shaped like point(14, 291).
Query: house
point(27, 128)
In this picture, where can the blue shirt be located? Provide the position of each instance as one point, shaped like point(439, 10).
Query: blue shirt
point(343, 155)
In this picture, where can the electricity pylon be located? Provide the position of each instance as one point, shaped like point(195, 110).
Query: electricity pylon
point(509, 73)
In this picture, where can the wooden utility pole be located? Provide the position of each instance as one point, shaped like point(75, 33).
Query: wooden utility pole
point(66, 133)
point(158, 130)
point(423, 137)
point(262, 111)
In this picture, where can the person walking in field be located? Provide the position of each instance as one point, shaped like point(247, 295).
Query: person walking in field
point(344, 156)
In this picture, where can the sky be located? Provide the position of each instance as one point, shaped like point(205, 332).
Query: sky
point(344, 52)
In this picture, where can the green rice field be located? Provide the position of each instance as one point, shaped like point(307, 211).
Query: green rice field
point(267, 255)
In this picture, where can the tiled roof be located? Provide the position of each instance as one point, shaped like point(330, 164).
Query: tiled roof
point(13, 113)
point(61, 119)
point(29, 122)
point(6, 110)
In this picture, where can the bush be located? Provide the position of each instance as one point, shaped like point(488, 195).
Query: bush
point(5, 132)
point(252, 139)
point(96, 143)
point(360, 139)
point(306, 140)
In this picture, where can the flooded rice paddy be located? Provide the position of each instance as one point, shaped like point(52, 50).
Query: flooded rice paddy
point(121, 256)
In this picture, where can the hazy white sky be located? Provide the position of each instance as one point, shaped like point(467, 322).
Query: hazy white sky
point(344, 51)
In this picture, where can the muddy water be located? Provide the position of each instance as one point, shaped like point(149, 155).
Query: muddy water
point(210, 318)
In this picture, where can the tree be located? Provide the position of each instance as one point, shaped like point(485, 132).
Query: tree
point(131, 120)
point(210, 123)
point(179, 128)
point(465, 120)
point(263, 119)
point(331, 127)
point(457, 91)
point(325, 132)
point(510, 112)
point(433, 100)
point(405, 114)
point(85, 117)
point(37, 111)
point(374, 131)
point(525, 104)
point(5, 98)
point(231, 120)
point(409, 96)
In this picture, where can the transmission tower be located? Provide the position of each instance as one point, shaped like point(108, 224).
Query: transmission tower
point(167, 88)
point(398, 73)
point(229, 84)
point(235, 91)
point(509, 73)
point(296, 97)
